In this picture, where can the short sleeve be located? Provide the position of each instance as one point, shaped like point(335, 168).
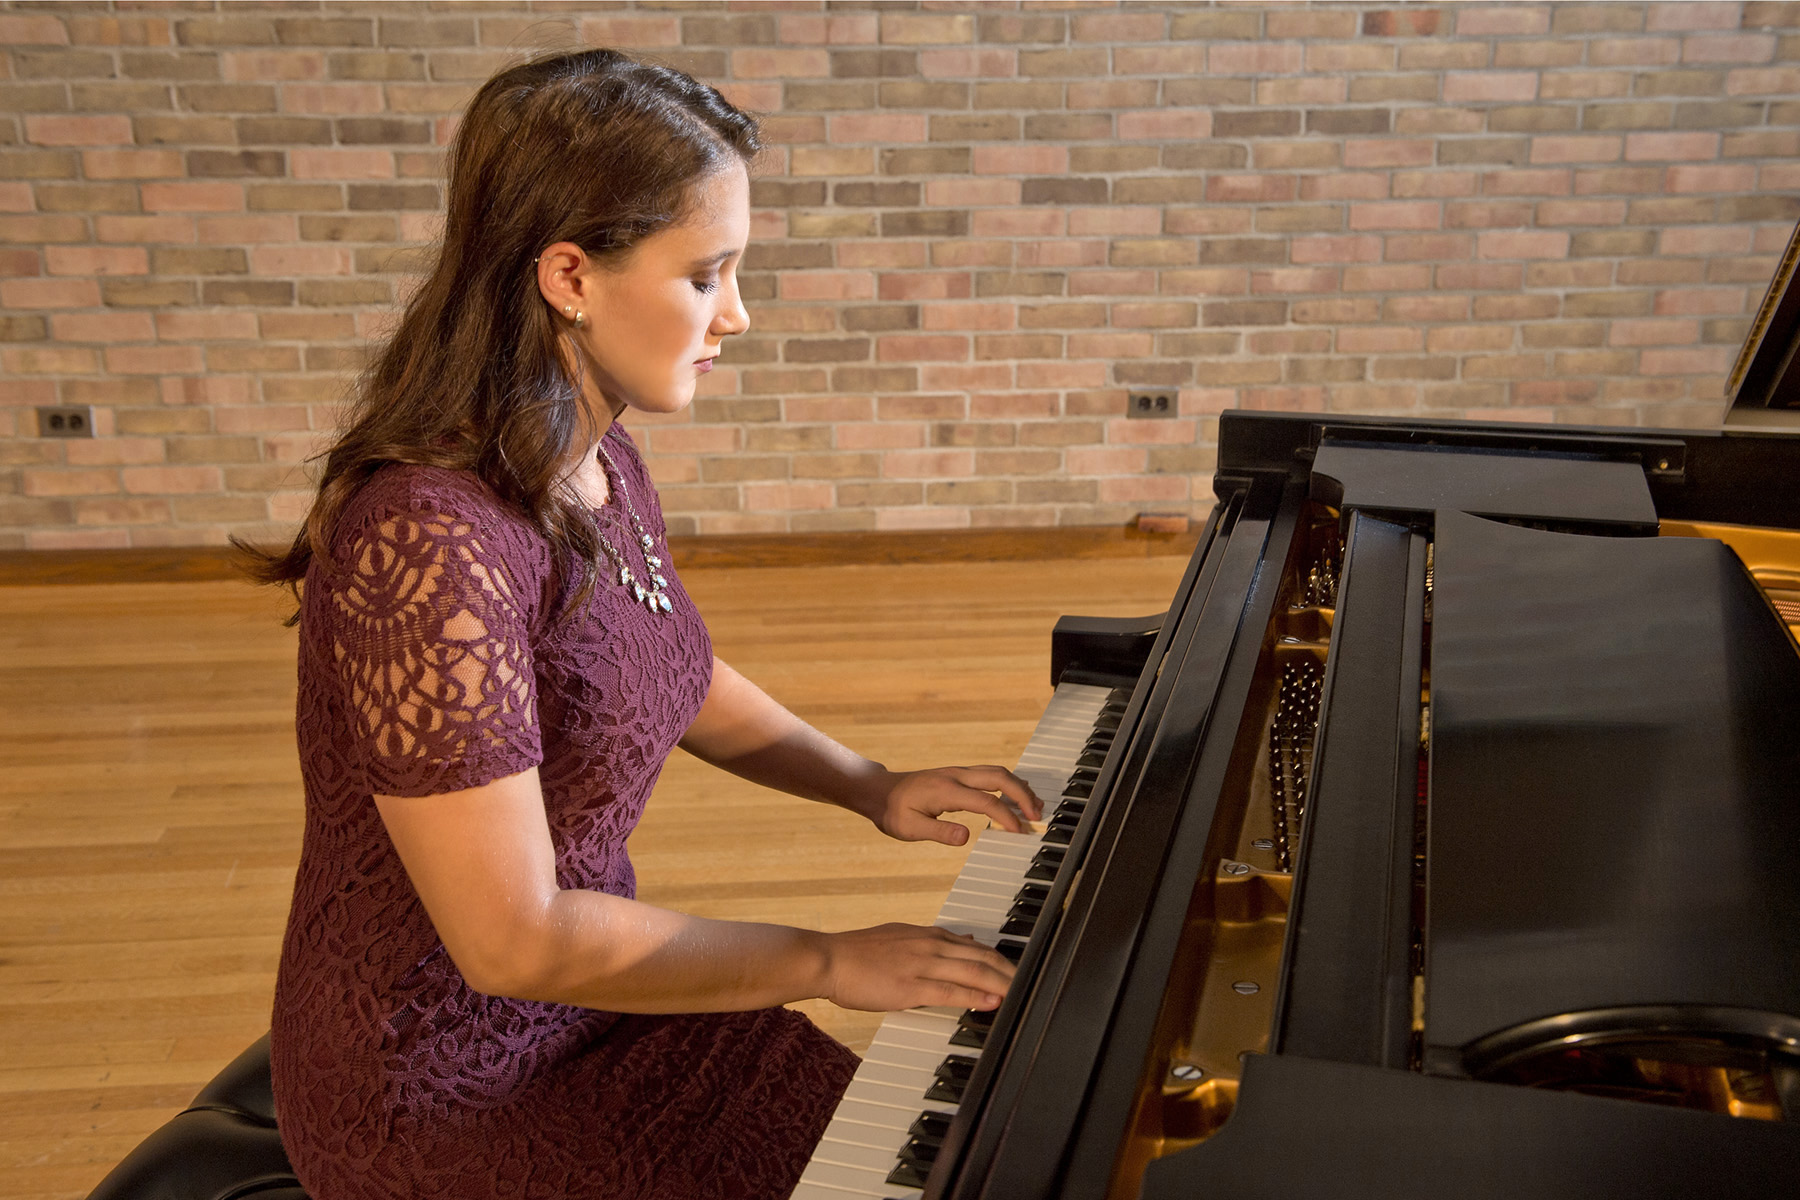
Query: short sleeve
point(431, 640)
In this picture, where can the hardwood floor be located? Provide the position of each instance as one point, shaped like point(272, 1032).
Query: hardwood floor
point(150, 805)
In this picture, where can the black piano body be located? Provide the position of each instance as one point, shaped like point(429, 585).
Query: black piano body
point(1450, 842)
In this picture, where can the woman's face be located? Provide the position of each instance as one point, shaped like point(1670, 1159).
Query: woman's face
point(655, 321)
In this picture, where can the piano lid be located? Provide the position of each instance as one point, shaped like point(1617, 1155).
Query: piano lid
point(1764, 385)
point(1615, 784)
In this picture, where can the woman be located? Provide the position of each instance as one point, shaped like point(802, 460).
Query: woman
point(495, 659)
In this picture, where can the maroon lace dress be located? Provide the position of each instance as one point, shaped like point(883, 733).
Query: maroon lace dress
point(431, 660)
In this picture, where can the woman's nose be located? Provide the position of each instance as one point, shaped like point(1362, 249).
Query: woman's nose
point(733, 317)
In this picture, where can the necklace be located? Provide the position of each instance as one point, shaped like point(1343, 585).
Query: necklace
point(653, 593)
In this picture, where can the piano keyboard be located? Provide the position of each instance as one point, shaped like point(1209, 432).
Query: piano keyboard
point(886, 1130)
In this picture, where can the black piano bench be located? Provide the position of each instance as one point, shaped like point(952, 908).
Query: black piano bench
point(223, 1147)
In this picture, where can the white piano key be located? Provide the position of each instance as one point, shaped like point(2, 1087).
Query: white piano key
point(899, 1076)
point(897, 1095)
point(974, 906)
point(968, 904)
point(986, 882)
point(835, 1148)
point(898, 1038)
point(907, 1058)
point(925, 1018)
point(904, 1105)
point(858, 1181)
point(870, 1126)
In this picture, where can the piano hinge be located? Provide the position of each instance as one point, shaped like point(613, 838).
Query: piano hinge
point(1424, 728)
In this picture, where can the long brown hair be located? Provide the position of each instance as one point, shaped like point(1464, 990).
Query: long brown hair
point(590, 147)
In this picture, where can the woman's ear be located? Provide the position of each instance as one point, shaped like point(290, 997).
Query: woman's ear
point(562, 271)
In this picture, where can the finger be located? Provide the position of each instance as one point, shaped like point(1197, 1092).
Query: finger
point(949, 995)
point(975, 974)
point(997, 809)
point(964, 946)
point(1003, 781)
point(921, 827)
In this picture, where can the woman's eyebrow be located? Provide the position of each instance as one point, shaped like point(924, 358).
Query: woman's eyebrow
point(704, 264)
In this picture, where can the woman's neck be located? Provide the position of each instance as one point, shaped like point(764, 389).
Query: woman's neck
point(588, 478)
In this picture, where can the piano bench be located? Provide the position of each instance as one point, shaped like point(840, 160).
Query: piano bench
point(224, 1146)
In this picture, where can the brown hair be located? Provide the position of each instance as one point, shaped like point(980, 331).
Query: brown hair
point(590, 147)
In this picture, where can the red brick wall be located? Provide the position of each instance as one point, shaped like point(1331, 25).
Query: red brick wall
point(979, 226)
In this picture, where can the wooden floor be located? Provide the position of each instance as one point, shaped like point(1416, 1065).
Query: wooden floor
point(150, 806)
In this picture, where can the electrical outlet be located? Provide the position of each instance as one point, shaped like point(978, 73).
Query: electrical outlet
point(65, 420)
point(1151, 404)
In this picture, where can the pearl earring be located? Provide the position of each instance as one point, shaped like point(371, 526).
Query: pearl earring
point(580, 319)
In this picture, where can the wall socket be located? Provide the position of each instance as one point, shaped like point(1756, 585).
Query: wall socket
point(1151, 404)
point(65, 420)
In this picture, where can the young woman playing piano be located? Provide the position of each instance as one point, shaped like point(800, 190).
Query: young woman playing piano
point(495, 659)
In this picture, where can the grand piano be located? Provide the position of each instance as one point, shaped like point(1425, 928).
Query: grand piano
point(1441, 839)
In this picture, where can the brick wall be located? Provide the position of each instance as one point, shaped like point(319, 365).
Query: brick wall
point(979, 226)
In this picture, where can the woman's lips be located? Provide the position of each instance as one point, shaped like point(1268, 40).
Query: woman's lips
point(704, 365)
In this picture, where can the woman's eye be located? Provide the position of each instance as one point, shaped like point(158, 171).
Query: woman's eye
point(707, 286)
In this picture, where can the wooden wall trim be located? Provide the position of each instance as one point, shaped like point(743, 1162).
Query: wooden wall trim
point(180, 564)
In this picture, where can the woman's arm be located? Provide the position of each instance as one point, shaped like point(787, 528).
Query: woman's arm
point(483, 863)
point(744, 730)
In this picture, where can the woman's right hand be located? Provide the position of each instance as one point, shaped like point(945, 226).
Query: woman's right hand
point(894, 966)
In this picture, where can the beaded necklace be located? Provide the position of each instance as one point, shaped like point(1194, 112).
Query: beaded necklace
point(652, 593)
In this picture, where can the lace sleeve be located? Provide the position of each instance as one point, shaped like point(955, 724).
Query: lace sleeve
point(431, 642)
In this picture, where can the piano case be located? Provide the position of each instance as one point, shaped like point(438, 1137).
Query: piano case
point(1442, 838)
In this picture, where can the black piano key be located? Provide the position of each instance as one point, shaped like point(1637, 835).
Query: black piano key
point(1069, 808)
point(906, 1173)
point(1079, 791)
point(1026, 910)
point(1084, 775)
point(1109, 721)
point(1010, 949)
point(974, 1039)
point(916, 1158)
point(1020, 926)
point(957, 1068)
point(1059, 835)
point(972, 1029)
point(1045, 862)
point(932, 1125)
point(952, 1077)
point(1034, 891)
point(1090, 758)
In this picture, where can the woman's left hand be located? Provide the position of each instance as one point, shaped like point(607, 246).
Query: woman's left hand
point(915, 800)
